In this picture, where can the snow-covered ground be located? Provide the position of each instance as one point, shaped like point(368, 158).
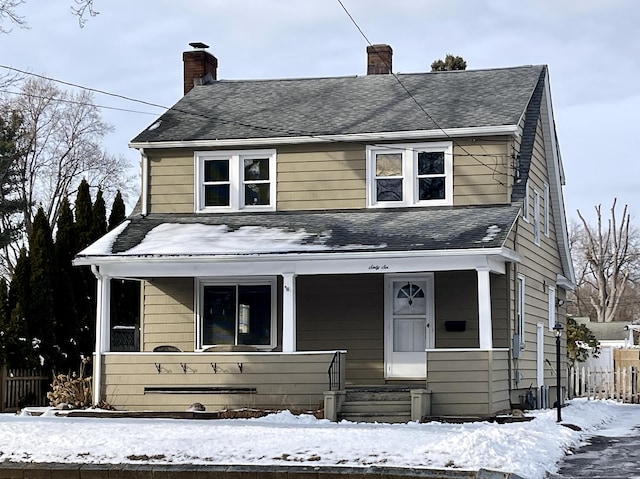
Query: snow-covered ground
point(528, 448)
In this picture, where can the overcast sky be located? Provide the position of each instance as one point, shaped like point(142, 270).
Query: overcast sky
point(134, 48)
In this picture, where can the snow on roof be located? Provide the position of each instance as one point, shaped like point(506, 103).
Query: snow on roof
point(103, 245)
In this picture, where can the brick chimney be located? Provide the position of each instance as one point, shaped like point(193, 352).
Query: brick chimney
point(200, 66)
point(379, 59)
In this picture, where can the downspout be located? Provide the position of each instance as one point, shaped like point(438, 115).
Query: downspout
point(97, 365)
point(145, 182)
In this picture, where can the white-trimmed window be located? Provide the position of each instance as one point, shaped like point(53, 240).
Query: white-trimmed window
point(546, 210)
point(525, 206)
point(520, 308)
point(236, 312)
point(235, 180)
point(410, 174)
point(551, 294)
point(536, 217)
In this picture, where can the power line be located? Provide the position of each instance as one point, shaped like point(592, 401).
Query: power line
point(413, 98)
point(320, 137)
point(73, 102)
point(75, 85)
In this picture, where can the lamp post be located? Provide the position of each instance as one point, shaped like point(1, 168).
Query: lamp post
point(557, 329)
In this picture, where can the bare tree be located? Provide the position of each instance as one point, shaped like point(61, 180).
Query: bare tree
point(8, 12)
point(61, 135)
point(606, 257)
point(83, 9)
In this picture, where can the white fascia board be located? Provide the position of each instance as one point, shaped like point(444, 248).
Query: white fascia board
point(554, 172)
point(493, 259)
point(511, 130)
point(564, 283)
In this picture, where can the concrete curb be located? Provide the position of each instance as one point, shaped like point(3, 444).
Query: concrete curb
point(14, 470)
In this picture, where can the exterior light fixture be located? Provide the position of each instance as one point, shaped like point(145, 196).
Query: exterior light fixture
point(557, 329)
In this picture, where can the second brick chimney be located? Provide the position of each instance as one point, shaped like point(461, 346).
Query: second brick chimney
point(379, 59)
point(200, 66)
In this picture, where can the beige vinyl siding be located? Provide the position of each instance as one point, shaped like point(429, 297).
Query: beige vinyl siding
point(540, 264)
point(456, 298)
point(333, 176)
point(344, 312)
point(168, 314)
point(481, 170)
point(171, 181)
point(127, 375)
point(468, 382)
point(312, 177)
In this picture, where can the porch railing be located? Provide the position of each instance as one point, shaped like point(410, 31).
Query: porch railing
point(334, 372)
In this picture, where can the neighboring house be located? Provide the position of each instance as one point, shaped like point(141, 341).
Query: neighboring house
point(300, 238)
point(611, 335)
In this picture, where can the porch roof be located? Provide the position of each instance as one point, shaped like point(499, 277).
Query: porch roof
point(374, 231)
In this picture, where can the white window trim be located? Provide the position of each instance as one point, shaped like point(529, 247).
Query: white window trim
point(409, 173)
point(520, 307)
point(236, 179)
point(525, 206)
point(551, 294)
point(233, 281)
point(536, 217)
point(546, 209)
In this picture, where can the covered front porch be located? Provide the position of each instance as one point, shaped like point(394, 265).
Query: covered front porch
point(262, 322)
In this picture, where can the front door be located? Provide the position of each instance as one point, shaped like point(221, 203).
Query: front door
point(409, 328)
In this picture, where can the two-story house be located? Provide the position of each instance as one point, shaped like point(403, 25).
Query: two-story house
point(301, 241)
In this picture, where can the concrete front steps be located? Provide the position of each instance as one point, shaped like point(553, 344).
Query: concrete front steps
point(376, 404)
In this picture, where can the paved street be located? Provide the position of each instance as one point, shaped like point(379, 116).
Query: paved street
point(611, 454)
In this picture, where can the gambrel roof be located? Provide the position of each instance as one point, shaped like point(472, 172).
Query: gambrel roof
point(318, 107)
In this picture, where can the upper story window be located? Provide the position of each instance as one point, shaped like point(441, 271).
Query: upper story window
point(525, 207)
point(546, 209)
point(536, 217)
point(235, 180)
point(410, 174)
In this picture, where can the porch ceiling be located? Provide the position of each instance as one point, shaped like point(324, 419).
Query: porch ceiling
point(477, 234)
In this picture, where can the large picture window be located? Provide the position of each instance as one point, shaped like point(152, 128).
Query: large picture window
point(237, 314)
point(235, 180)
point(410, 175)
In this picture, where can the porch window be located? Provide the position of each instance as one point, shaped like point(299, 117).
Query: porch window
point(410, 174)
point(237, 314)
point(235, 180)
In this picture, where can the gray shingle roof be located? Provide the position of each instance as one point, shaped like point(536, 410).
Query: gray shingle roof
point(407, 229)
point(347, 105)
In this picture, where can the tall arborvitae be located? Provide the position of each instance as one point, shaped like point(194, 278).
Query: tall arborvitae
point(10, 153)
point(66, 314)
point(118, 212)
point(40, 317)
point(98, 218)
point(84, 215)
point(84, 283)
point(23, 354)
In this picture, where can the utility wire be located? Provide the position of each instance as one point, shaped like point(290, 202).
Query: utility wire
point(73, 102)
point(321, 137)
point(414, 99)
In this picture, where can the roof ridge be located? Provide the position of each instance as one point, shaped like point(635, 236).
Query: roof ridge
point(340, 77)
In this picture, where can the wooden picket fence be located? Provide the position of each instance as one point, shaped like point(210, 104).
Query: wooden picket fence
point(618, 383)
point(22, 387)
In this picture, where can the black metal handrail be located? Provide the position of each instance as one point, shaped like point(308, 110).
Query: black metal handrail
point(334, 372)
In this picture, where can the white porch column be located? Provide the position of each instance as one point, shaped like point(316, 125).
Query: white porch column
point(484, 309)
point(103, 324)
point(288, 312)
